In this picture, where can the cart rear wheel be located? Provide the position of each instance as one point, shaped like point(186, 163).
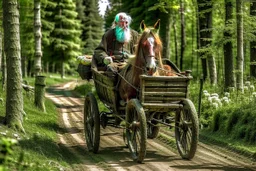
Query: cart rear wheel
point(152, 131)
point(136, 130)
point(91, 123)
point(186, 130)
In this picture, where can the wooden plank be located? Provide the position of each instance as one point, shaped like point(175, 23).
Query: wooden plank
point(165, 84)
point(107, 87)
point(163, 99)
point(166, 78)
point(161, 105)
point(164, 89)
point(165, 94)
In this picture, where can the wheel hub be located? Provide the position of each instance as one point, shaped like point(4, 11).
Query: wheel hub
point(134, 125)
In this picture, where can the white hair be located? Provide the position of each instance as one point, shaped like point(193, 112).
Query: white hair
point(122, 16)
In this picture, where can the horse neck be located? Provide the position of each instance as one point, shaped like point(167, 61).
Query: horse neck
point(137, 70)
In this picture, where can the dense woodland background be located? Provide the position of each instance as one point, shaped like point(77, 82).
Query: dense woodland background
point(216, 39)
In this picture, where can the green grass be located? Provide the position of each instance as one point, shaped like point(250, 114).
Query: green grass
point(38, 149)
point(52, 79)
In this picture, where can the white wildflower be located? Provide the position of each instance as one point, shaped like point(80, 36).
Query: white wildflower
point(252, 88)
point(254, 94)
point(205, 91)
point(215, 105)
point(215, 95)
point(209, 99)
point(206, 94)
point(246, 88)
point(227, 94)
point(16, 135)
point(3, 133)
point(224, 98)
point(225, 102)
point(247, 83)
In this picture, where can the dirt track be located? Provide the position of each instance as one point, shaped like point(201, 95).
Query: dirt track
point(113, 155)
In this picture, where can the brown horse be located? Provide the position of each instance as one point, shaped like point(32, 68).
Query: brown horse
point(147, 61)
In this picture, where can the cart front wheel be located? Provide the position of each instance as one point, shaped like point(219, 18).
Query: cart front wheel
point(186, 130)
point(91, 123)
point(136, 130)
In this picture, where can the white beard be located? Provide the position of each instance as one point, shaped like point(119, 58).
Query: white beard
point(123, 35)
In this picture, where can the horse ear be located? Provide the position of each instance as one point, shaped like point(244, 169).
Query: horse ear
point(157, 25)
point(142, 26)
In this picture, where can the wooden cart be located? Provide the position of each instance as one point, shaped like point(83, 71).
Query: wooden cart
point(162, 101)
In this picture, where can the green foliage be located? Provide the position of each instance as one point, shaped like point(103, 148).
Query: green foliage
point(92, 27)
point(6, 150)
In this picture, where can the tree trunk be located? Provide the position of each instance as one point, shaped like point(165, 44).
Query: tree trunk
point(240, 55)
point(3, 66)
point(165, 33)
point(23, 66)
point(183, 33)
point(212, 69)
point(205, 31)
point(46, 67)
point(39, 92)
point(38, 35)
point(253, 44)
point(62, 69)
point(14, 98)
point(228, 49)
point(1, 48)
point(53, 67)
point(175, 42)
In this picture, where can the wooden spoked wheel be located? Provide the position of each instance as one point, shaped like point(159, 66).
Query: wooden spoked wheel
point(186, 130)
point(136, 130)
point(91, 123)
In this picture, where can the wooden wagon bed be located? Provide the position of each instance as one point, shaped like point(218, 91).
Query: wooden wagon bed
point(155, 92)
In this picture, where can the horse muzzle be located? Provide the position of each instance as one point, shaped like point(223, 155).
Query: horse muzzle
point(150, 71)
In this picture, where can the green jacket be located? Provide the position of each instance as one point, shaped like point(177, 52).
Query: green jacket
point(109, 46)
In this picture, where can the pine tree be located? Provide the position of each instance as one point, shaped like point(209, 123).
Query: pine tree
point(47, 8)
point(93, 26)
point(80, 8)
point(26, 35)
point(66, 34)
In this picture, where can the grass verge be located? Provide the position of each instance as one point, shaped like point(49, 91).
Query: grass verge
point(38, 148)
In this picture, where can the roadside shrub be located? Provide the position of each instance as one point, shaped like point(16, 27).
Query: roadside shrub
point(232, 120)
point(216, 121)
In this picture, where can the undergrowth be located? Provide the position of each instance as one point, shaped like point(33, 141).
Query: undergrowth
point(233, 122)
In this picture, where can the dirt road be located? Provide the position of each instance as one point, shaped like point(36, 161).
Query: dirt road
point(113, 154)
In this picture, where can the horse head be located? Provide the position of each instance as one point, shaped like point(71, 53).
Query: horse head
point(149, 49)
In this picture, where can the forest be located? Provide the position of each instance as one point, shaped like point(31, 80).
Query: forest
point(216, 39)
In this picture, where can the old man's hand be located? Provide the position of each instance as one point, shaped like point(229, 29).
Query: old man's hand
point(108, 60)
